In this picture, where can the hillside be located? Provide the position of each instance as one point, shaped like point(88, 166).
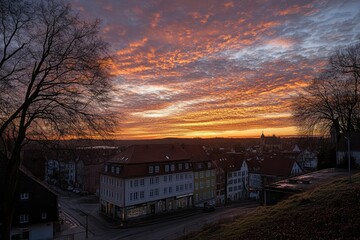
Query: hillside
point(331, 211)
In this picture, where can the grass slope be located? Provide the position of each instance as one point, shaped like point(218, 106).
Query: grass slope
point(331, 211)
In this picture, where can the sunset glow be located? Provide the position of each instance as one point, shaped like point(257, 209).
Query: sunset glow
point(213, 68)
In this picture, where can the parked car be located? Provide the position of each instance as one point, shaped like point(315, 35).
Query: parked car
point(77, 190)
point(84, 193)
point(209, 208)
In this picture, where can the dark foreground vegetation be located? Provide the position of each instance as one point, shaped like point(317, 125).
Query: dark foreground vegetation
point(331, 211)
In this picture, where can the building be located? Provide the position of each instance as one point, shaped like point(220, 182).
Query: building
point(281, 190)
point(36, 209)
point(145, 180)
point(204, 175)
point(346, 143)
point(270, 144)
point(275, 167)
point(307, 160)
point(78, 167)
point(232, 180)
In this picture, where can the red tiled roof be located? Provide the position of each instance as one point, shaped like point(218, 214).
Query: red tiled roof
point(228, 161)
point(276, 165)
point(151, 153)
point(196, 153)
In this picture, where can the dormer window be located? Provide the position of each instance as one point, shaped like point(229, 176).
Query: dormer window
point(151, 169)
point(186, 165)
point(167, 168)
point(43, 215)
point(24, 196)
point(180, 166)
point(157, 169)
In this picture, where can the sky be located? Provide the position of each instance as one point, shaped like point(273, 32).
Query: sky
point(213, 68)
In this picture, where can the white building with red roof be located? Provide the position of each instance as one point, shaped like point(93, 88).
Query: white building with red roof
point(147, 179)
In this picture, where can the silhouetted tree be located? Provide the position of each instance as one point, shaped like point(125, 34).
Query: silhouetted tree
point(54, 82)
point(332, 99)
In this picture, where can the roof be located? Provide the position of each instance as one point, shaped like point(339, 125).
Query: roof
point(151, 153)
point(228, 161)
point(307, 181)
point(276, 165)
point(196, 153)
point(273, 140)
point(27, 173)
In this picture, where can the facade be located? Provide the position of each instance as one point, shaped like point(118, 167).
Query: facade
point(204, 175)
point(345, 144)
point(78, 167)
point(270, 144)
point(36, 209)
point(307, 160)
point(232, 180)
point(145, 180)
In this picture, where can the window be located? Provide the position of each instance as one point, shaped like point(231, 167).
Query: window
point(172, 167)
point(170, 178)
point(136, 183)
point(24, 196)
point(170, 189)
point(131, 183)
point(209, 164)
point(135, 196)
point(157, 180)
point(117, 170)
point(186, 165)
point(157, 169)
point(142, 182)
point(151, 169)
point(112, 169)
point(131, 196)
point(165, 178)
point(180, 166)
point(43, 215)
point(151, 192)
point(142, 194)
point(151, 181)
point(167, 168)
point(165, 190)
point(177, 188)
point(156, 192)
point(24, 218)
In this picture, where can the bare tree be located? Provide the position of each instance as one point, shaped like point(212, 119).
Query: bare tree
point(54, 80)
point(332, 99)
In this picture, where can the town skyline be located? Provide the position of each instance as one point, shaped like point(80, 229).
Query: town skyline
point(217, 68)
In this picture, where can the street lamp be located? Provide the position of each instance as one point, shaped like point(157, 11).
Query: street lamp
point(86, 226)
point(349, 161)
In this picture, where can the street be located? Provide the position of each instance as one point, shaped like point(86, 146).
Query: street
point(82, 212)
